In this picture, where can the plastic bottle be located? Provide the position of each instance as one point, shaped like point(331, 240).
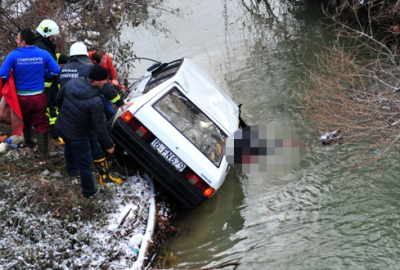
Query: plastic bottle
point(9, 142)
point(134, 248)
point(17, 140)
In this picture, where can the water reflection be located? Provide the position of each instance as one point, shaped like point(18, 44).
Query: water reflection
point(209, 229)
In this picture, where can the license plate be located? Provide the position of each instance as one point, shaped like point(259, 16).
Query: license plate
point(168, 155)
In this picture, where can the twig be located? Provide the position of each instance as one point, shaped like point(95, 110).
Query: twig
point(152, 258)
point(119, 225)
point(123, 219)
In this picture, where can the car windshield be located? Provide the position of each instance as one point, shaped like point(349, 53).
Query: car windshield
point(193, 124)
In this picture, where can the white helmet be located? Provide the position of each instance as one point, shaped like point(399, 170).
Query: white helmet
point(78, 48)
point(48, 28)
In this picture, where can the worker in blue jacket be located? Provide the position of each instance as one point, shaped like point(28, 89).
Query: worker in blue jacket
point(30, 66)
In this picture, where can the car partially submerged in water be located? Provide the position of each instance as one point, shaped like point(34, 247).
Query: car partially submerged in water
point(176, 129)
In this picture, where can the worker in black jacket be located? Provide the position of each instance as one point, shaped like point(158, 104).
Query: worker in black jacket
point(79, 65)
point(44, 39)
point(81, 113)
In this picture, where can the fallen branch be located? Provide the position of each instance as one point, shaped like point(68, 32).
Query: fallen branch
point(123, 219)
point(119, 226)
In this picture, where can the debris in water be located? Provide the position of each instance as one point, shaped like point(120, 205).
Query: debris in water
point(332, 137)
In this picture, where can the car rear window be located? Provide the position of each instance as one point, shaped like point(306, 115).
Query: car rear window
point(177, 109)
point(161, 75)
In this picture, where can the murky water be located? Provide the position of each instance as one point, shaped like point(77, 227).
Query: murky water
point(316, 217)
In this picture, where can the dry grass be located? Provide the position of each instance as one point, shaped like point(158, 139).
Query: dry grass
point(354, 83)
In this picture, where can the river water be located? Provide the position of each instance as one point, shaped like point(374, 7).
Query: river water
point(319, 215)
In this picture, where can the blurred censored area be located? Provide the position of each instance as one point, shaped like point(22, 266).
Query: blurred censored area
point(264, 150)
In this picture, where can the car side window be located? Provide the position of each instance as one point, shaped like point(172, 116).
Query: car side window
point(193, 124)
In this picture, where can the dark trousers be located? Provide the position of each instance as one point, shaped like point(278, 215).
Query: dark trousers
point(78, 156)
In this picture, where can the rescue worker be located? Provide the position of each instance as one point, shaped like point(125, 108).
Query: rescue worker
point(79, 65)
point(100, 57)
point(44, 39)
point(30, 66)
point(82, 114)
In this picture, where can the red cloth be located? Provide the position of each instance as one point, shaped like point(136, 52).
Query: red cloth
point(9, 106)
point(108, 65)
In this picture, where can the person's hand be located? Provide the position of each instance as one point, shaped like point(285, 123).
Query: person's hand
point(129, 103)
point(115, 82)
point(111, 150)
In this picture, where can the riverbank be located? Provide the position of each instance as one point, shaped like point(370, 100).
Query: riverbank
point(47, 223)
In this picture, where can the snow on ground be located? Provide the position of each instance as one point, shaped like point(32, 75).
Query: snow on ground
point(110, 240)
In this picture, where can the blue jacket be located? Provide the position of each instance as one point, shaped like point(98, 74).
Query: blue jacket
point(30, 65)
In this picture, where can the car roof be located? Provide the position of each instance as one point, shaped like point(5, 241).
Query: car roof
point(203, 91)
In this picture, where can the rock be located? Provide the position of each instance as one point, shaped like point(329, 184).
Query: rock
point(57, 174)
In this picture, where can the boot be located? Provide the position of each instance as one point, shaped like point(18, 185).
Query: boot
point(104, 174)
point(43, 145)
point(60, 141)
point(28, 137)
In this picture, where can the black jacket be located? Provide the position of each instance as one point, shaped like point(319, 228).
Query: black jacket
point(50, 47)
point(80, 66)
point(51, 84)
point(81, 111)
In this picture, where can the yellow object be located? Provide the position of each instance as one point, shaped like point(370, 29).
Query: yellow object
point(104, 174)
point(61, 141)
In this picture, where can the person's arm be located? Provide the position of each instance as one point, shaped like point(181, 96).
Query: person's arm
point(52, 68)
point(111, 70)
point(6, 68)
point(60, 96)
point(99, 126)
point(111, 94)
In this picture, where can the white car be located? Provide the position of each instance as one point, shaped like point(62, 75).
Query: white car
point(176, 129)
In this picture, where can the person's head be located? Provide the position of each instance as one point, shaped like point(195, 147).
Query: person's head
point(99, 57)
point(48, 29)
point(98, 76)
point(25, 38)
point(78, 48)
